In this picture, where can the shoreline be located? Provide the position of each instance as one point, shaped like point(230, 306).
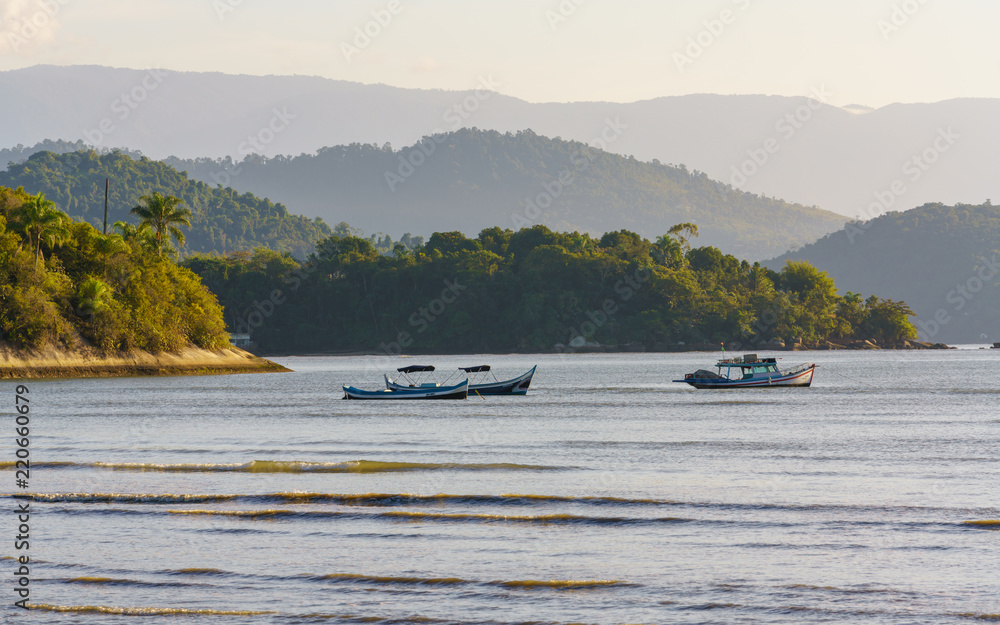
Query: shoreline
point(608, 349)
point(60, 364)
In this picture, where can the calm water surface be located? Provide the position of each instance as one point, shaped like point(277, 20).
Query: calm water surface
point(607, 495)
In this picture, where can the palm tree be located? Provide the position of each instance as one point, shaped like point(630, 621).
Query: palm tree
point(142, 234)
point(130, 232)
point(39, 220)
point(110, 245)
point(92, 296)
point(161, 213)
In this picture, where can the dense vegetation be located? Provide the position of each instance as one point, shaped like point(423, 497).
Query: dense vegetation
point(64, 284)
point(222, 219)
point(530, 290)
point(470, 179)
point(942, 260)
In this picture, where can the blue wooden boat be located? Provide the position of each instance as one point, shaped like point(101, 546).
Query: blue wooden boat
point(457, 391)
point(750, 372)
point(479, 383)
point(478, 378)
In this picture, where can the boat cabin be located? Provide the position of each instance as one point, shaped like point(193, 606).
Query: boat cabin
point(748, 366)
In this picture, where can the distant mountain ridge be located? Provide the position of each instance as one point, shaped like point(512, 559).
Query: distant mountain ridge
point(944, 261)
point(471, 179)
point(798, 148)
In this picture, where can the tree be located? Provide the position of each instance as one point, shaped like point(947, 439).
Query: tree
point(814, 296)
point(161, 213)
point(452, 243)
point(887, 320)
point(344, 229)
point(39, 220)
point(141, 234)
point(110, 245)
point(345, 250)
point(625, 245)
point(682, 233)
point(92, 296)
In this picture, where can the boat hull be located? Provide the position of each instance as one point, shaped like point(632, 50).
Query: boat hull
point(801, 378)
point(513, 386)
point(459, 391)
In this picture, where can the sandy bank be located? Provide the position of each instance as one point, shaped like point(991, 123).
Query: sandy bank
point(53, 363)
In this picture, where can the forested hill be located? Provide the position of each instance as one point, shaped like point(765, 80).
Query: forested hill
point(942, 260)
point(470, 179)
point(223, 220)
point(535, 290)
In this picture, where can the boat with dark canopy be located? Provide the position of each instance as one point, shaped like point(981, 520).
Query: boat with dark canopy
point(479, 378)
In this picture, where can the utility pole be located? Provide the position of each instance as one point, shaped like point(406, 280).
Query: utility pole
point(107, 186)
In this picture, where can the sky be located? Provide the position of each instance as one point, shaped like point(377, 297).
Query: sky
point(867, 52)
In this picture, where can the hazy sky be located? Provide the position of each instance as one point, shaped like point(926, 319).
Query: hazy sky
point(871, 52)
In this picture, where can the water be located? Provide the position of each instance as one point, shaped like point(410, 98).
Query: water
point(607, 495)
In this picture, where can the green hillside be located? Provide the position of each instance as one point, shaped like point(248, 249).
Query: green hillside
point(472, 179)
point(223, 220)
point(941, 259)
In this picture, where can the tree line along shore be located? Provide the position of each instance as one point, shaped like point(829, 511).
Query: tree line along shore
point(535, 290)
point(69, 287)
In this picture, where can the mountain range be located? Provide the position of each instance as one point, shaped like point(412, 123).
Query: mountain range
point(466, 180)
point(469, 179)
point(854, 161)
